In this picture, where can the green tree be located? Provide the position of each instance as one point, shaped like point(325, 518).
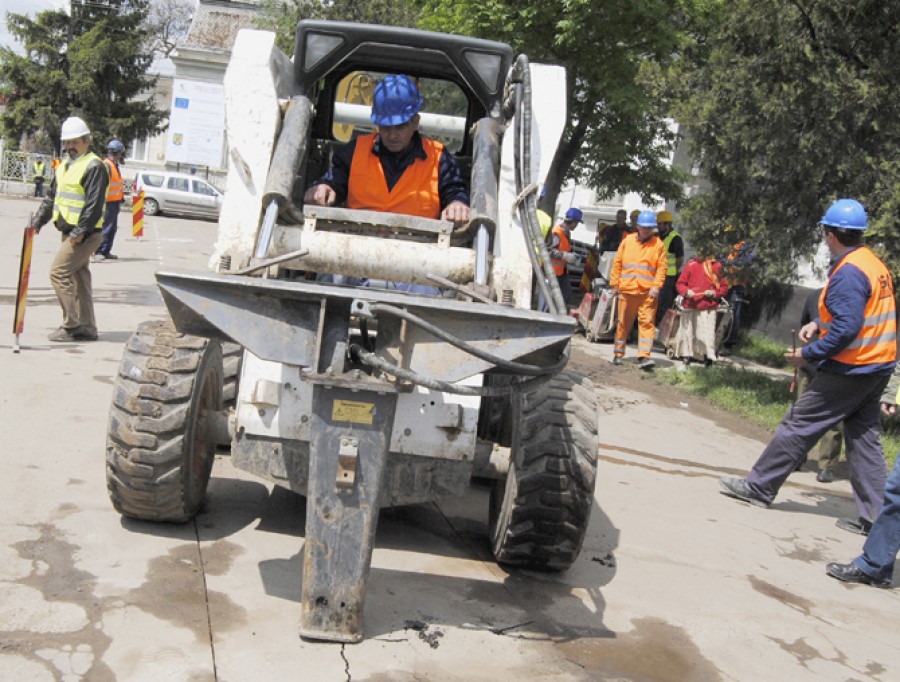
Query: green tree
point(92, 63)
point(789, 106)
point(617, 138)
point(282, 16)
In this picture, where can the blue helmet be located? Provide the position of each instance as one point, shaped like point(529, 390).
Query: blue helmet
point(646, 219)
point(115, 146)
point(575, 214)
point(396, 100)
point(846, 214)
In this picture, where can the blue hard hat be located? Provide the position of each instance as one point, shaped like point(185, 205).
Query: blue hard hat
point(115, 146)
point(575, 214)
point(646, 219)
point(396, 100)
point(846, 214)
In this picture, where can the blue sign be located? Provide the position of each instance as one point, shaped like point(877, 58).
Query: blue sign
point(181, 102)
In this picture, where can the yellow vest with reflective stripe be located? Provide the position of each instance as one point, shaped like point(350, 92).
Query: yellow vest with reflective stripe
point(69, 201)
point(671, 267)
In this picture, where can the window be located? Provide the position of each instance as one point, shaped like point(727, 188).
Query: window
point(201, 187)
point(181, 184)
point(139, 149)
point(152, 180)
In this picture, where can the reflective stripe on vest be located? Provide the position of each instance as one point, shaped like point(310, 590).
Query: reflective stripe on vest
point(416, 192)
point(671, 268)
point(116, 189)
point(559, 265)
point(640, 263)
point(69, 200)
point(876, 342)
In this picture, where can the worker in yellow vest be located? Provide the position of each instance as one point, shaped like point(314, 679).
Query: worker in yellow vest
point(115, 195)
point(39, 169)
point(75, 201)
point(674, 246)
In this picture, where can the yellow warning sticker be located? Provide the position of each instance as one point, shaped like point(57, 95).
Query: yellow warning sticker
point(352, 411)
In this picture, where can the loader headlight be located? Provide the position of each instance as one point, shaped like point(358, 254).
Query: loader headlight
point(319, 46)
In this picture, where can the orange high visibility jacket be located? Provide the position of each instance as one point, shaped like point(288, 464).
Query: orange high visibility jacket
point(416, 192)
point(116, 189)
point(877, 340)
point(559, 266)
point(639, 266)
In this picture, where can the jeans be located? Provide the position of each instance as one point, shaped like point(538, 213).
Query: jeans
point(110, 225)
point(883, 543)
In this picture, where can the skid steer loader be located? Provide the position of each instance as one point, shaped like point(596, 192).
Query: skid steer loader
point(364, 397)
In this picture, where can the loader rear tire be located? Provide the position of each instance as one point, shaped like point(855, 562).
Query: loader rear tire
point(539, 514)
point(158, 454)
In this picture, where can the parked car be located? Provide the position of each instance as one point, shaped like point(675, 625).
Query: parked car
point(169, 192)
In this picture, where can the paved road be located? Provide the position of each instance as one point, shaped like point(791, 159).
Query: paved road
point(675, 581)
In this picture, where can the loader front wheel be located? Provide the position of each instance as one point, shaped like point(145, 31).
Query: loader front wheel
point(539, 514)
point(158, 453)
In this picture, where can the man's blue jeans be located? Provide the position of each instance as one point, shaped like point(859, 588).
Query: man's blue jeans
point(883, 543)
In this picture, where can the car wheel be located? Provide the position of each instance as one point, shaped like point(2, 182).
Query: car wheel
point(151, 207)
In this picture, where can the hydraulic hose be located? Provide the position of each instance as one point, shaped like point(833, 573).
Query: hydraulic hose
point(543, 269)
point(374, 361)
point(506, 365)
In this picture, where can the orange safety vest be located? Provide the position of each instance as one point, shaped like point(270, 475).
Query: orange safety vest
point(639, 266)
point(416, 192)
point(877, 340)
point(559, 265)
point(116, 189)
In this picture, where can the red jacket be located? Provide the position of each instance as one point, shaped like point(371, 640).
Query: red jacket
point(700, 276)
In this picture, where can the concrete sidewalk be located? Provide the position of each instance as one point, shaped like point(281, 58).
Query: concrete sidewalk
point(675, 581)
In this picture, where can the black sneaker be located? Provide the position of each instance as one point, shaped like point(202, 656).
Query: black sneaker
point(617, 361)
point(825, 476)
point(646, 363)
point(850, 573)
point(859, 526)
point(738, 488)
point(110, 256)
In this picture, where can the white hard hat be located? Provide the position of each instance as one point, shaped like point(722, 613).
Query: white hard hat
point(73, 128)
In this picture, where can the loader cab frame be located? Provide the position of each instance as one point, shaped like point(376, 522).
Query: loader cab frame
point(327, 52)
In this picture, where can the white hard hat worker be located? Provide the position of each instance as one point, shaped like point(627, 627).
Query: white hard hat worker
point(74, 128)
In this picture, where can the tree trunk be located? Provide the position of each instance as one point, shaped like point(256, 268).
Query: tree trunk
point(568, 149)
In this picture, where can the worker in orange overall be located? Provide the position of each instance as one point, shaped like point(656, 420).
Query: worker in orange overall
point(637, 276)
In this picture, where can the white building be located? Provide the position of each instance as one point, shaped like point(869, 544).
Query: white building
point(189, 87)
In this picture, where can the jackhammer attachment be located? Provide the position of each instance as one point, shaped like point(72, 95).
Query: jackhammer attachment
point(350, 435)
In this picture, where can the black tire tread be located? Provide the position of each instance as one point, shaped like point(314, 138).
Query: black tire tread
point(554, 454)
point(155, 392)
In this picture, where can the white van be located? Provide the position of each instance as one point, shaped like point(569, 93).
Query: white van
point(169, 192)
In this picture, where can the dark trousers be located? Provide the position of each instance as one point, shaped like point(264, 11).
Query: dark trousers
point(666, 297)
point(110, 225)
point(830, 399)
point(39, 187)
point(736, 298)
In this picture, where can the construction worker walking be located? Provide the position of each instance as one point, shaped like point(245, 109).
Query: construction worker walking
point(637, 276)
